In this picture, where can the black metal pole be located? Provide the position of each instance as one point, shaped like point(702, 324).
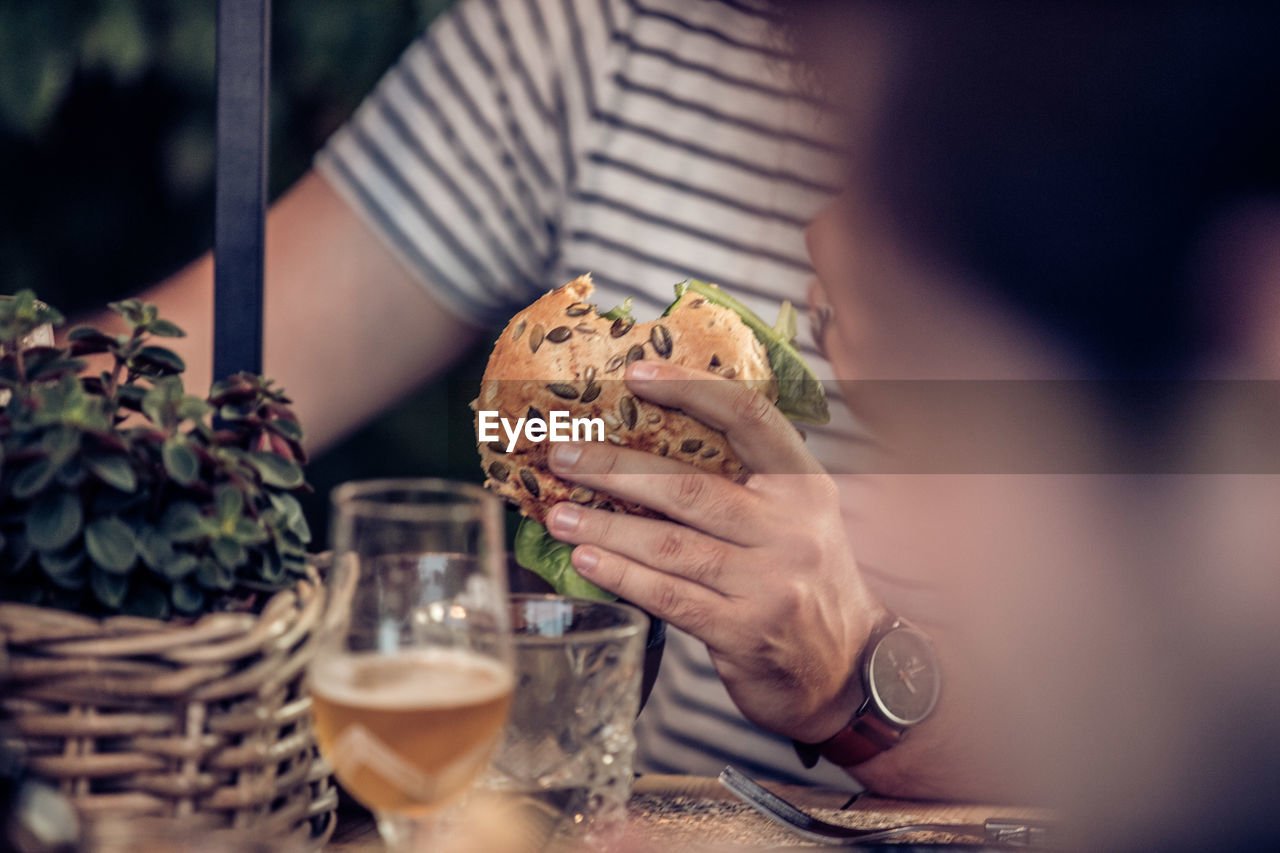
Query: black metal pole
point(240, 185)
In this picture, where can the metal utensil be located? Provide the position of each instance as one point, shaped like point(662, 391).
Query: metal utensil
point(1005, 832)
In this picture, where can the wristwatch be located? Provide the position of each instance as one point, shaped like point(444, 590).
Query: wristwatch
point(900, 683)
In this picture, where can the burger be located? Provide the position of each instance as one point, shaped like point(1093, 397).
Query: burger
point(559, 364)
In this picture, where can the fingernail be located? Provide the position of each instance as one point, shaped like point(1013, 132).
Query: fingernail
point(643, 370)
point(584, 559)
point(565, 518)
point(566, 455)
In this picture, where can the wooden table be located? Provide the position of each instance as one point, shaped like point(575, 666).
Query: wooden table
point(677, 813)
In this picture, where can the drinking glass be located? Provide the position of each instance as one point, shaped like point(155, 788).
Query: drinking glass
point(568, 751)
point(412, 684)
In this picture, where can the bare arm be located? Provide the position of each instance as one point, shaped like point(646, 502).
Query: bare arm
point(347, 329)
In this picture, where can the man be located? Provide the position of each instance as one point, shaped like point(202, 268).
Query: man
point(1055, 290)
point(516, 145)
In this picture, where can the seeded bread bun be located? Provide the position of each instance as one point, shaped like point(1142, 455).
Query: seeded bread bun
point(560, 354)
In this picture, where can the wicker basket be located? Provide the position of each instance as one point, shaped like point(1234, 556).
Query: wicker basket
point(204, 723)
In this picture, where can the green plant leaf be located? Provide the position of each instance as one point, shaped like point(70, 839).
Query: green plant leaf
point(294, 563)
point(275, 470)
point(148, 601)
point(115, 471)
point(166, 329)
point(86, 340)
point(111, 544)
point(71, 474)
point(179, 566)
point(230, 553)
point(180, 461)
point(53, 520)
point(294, 519)
point(289, 545)
point(62, 561)
point(161, 400)
point(301, 529)
point(154, 548)
point(249, 532)
point(22, 313)
point(286, 504)
point(108, 588)
point(272, 569)
point(89, 334)
point(183, 522)
point(187, 597)
point(228, 504)
point(46, 369)
point(17, 549)
point(112, 502)
point(65, 567)
point(286, 428)
point(63, 402)
point(131, 310)
point(33, 477)
point(231, 414)
point(131, 397)
point(157, 361)
point(233, 462)
point(193, 408)
point(212, 575)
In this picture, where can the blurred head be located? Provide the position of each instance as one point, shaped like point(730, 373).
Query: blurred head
point(1097, 169)
point(1079, 191)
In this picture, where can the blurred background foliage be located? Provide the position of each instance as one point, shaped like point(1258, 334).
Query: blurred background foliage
point(107, 151)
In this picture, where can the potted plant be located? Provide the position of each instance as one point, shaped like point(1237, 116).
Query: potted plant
point(156, 606)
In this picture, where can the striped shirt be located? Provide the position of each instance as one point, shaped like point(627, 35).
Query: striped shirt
point(520, 143)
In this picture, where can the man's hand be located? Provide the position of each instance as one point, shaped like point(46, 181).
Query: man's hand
point(761, 572)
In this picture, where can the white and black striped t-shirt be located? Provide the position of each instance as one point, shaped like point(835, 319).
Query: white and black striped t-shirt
point(521, 143)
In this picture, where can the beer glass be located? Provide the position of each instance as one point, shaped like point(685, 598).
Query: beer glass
point(412, 683)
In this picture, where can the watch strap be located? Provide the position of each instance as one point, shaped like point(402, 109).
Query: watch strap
point(864, 738)
point(867, 734)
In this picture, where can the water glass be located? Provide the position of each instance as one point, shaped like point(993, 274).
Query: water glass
point(569, 747)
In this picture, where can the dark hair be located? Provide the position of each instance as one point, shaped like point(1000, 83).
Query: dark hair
point(1070, 153)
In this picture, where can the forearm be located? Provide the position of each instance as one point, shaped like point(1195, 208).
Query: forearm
point(347, 329)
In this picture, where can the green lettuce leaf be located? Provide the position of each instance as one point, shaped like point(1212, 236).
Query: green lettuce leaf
point(617, 312)
point(788, 325)
point(800, 394)
point(537, 551)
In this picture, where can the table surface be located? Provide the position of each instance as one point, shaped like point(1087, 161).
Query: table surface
point(690, 812)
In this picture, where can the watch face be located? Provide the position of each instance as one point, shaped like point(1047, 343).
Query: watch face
point(903, 676)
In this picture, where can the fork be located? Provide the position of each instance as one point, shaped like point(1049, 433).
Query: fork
point(1006, 832)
